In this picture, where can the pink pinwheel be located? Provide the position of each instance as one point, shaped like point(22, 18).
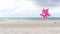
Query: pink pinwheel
point(45, 13)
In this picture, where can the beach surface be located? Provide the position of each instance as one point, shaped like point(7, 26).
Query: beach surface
point(29, 25)
point(32, 28)
point(29, 29)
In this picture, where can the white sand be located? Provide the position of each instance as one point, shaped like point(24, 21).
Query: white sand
point(29, 28)
point(40, 27)
point(39, 30)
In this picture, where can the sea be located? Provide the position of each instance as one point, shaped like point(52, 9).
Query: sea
point(28, 20)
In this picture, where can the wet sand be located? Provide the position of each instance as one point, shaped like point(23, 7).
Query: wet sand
point(30, 25)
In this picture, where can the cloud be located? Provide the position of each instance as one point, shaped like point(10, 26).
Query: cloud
point(48, 3)
point(17, 8)
point(24, 8)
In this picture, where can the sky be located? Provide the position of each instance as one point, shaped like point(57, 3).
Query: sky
point(28, 8)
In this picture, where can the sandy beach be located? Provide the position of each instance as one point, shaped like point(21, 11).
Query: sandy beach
point(29, 25)
point(29, 29)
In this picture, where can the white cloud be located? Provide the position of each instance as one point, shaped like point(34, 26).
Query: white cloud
point(24, 8)
point(17, 7)
point(55, 11)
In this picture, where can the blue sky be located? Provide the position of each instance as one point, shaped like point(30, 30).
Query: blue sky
point(28, 8)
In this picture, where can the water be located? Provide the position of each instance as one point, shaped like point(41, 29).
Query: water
point(27, 20)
